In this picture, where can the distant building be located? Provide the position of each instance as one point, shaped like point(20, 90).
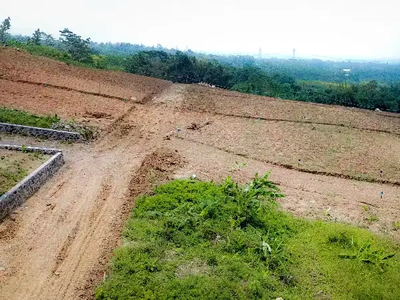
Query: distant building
point(346, 72)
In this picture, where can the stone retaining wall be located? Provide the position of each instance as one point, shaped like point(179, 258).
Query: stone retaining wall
point(30, 184)
point(48, 151)
point(40, 132)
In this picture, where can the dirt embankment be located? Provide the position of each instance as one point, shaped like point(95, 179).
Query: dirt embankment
point(347, 152)
point(47, 87)
point(66, 104)
point(19, 65)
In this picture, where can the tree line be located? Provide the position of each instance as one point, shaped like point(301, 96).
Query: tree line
point(303, 80)
point(183, 68)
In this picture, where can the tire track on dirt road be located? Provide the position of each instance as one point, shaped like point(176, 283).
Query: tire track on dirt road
point(60, 250)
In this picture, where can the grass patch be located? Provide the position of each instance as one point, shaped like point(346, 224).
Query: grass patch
point(201, 240)
point(10, 177)
point(16, 165)
point(14, 116)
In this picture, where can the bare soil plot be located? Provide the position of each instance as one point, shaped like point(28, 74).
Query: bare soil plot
point(16, 165)
point(322, 148)
point(232, 103)
point(43, 100)
point(19, 65)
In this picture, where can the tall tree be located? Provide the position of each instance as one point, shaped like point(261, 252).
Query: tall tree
point(36, 37)
point(49, 40)
point(182, 68)
point(4, 27)
point(75, 45)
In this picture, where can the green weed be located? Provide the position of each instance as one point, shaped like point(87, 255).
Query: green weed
point(372, 218)
point(23, 118)
point(396, 225)
point(238, 166)
point(10, 177)
point(201, 240)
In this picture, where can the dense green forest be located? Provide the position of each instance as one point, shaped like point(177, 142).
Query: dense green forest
point(367, 85)
point(319, 70)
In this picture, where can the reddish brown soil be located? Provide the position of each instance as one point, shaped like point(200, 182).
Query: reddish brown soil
point(312, 147)
point(231, 103)
point(18, 65)
point(59, 243)
point(43, 100)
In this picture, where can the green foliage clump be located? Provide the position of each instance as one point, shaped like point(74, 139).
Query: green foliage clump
point(253, 79)
point(9, 177)
point(36, 37)
point(76, 46)
point(42, 50)
point(201, 240)
point(14, 116)
point(4, 27)
point(99, 61)
point(343, 262)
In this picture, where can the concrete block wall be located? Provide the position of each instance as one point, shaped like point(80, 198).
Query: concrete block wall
point(40, 132)
point(30, 184)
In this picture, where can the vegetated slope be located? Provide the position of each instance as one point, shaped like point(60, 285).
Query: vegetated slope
point(232, 103)
point(200, 240)
point(19, 65)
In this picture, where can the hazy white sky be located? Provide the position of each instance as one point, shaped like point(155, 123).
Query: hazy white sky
point(334, 28)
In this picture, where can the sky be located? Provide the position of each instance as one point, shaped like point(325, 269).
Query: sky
point(346, 29)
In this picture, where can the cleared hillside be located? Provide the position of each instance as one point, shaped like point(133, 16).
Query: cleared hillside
point(69, 228)
point(46, 87)
point(245, 105)
point(313, 138)
point(66, 104)
point(18, 65)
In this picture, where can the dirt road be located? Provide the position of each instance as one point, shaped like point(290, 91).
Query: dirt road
point(58, 245)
